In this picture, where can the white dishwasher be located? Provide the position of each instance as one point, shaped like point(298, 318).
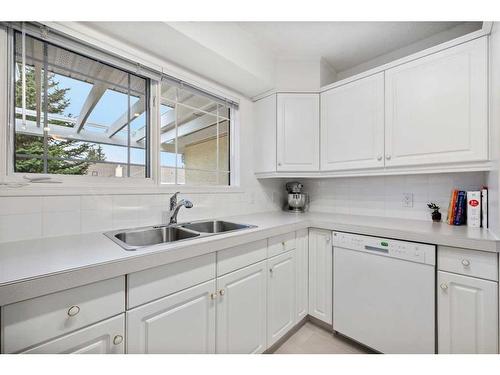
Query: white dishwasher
point(383, 293)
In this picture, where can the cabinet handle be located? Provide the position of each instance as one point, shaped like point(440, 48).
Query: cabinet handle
point(271, 270)
point(213, 295)
point(379, 158)
point(283, 243)
point(73, 310)
point(279, 164)
point(466, 262)
point(388, 157)
point(222, 292)
point(444, 286)
point(118, 339)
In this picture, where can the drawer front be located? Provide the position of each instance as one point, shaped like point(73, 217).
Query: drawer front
point(280, 244)
point(107, 337)
point(157, 282)
point(33, 321)
point(240, 256)
point(468, 262)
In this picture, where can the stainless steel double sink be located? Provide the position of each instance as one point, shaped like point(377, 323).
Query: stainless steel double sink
point(136, 238)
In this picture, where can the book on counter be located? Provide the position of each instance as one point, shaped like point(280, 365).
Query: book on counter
point(469, 207)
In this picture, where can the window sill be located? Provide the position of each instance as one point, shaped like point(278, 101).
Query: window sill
point(118, 187)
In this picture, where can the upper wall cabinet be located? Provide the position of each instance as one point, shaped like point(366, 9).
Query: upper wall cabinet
point(297, 132)
point(352, 125)
point(265, 134)
point(436, 107)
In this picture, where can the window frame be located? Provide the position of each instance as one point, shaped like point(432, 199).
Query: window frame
point(82, 184)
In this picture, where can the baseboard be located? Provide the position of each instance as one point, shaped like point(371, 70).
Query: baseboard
point(321, 324)
point(287, 335)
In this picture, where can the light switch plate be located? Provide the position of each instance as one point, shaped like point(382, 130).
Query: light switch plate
point(408, 200)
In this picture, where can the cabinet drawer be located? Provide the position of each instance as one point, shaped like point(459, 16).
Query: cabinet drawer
point(240, 256)
point(32, 321)
point(105, 337)
point(468, 262)
point(157, 282)
point(280, 244)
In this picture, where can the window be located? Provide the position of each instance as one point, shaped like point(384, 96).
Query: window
point(195, 137)
point(77, 116)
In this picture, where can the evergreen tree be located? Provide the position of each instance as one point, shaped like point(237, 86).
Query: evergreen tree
point(31, 145)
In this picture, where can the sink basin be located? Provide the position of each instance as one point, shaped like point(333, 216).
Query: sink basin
point(134, 239)
point(215, 226)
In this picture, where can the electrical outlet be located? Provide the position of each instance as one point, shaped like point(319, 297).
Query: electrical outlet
point(408, 200)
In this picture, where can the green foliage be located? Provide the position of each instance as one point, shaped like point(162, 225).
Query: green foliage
point(59, 149)
point(433, 206)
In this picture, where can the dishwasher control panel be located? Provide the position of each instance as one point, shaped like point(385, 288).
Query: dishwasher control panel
point(412, 251)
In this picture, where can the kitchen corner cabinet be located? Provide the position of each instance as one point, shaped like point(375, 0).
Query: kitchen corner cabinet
point(107, 337)
point(467, 315)
point(281, 293)
point(265, 134)
point(436, 107)
point(297, 132)
point(302, 273)
point(320, 274)
point(183, 322)
point(242, 310)
point(352, 125)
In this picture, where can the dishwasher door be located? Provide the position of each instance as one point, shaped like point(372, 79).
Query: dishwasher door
point(385, 303)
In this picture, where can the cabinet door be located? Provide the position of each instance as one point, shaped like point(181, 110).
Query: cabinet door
point(241, 310)
point(302, 273)
point(352, 125)
point(183, 322)
point(280, 296)
point(436, 107)
point(467, 314)
point(106, 337)
point(298, 132)
point(265, 134)
point(320, 274)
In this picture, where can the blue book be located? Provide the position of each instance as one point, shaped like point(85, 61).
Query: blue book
point(459, 218)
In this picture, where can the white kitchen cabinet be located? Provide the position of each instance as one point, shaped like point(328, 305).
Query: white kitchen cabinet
point(183, 322)
point(320, 274)
point(467, 314)
point(302, 273)
point(265, 134)
point(107, 337)
point(352, 125)
point(241, 310)
point(437, 107)
point(298, 132)
point(281, 294)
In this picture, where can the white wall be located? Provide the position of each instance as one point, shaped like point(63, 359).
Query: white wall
point(382, 196)
point(493, 176)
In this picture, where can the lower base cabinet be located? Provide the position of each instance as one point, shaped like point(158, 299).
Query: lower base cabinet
point(241, 310)
point(320, 274)
point(467, 315)
point(281, 294)
point(183, 322)
point(106, 337)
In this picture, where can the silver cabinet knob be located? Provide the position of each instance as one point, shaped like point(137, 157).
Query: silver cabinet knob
point(283, 243)
point(379, 158)
point(213, 295)
point(444, 286)
point(271, 270)
point(118, 339)
point(222, 292)
point(388, 157)
point(279, 164)
point(466, 262)
point(73, 310)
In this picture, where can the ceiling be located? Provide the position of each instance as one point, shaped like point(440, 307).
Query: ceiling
point(342, 44)
point(243, 55)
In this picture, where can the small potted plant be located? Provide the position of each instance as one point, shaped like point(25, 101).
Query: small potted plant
point(436, 215)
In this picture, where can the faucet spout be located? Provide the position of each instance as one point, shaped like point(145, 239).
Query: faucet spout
point(175, 207)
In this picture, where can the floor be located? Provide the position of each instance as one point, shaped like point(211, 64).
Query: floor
point(311, 339)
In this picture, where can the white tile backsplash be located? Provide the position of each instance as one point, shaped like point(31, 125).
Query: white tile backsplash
point(383, 196)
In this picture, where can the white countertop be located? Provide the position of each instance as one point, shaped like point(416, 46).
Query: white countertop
point(36, 267)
